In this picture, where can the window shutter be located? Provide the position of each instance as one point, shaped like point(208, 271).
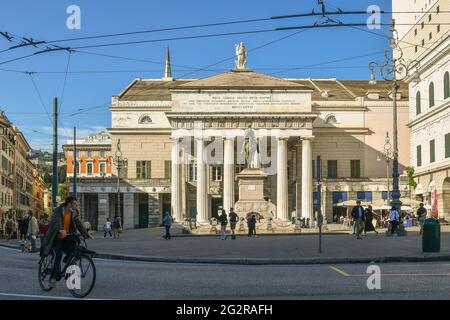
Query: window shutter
point(149, 169)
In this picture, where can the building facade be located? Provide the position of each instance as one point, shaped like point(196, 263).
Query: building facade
point(426, 45)
point(94, 166)
point(181, 141)
point(21, 183)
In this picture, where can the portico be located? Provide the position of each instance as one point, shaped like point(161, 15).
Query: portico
point(215, 112)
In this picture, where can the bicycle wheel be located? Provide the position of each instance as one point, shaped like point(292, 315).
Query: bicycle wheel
point(87, 276)
point(45, 271)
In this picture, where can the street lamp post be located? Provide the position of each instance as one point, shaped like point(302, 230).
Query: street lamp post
point(394, 69)
point(118, 161)
point(387, 155)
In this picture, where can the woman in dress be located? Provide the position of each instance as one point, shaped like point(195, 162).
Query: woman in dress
point(368, 224)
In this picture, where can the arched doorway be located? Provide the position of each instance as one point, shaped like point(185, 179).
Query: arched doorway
point(446, 198)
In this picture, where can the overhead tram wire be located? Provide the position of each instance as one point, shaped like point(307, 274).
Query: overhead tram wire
point(40, 97)
point(223, 23)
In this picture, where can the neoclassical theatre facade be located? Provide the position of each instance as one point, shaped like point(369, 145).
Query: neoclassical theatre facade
point(181, 141)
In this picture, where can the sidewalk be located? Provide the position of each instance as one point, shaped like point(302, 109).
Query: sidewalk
point(149, 245)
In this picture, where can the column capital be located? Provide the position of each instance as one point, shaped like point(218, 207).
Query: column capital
point(283, 138)
point(176, 139)
point(225, 138)
point(310, 138)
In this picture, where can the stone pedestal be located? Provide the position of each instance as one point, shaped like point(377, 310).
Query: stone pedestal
point(251, 194)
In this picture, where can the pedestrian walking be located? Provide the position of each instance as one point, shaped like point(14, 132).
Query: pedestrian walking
point(358, 218)
point(394, 219)
point(107, 228)
point(167, 222)
point(252, 226)
point(368, 226)
point(421, 216)
point(23, 228)
point(33, 230)
point(9, 228)
point(223, 225)
point(117, 225)
point(233, 221)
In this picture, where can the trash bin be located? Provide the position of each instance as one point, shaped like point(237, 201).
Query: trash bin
point(431, 236)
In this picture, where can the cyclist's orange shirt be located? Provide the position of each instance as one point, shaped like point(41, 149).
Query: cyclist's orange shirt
point(66, 224)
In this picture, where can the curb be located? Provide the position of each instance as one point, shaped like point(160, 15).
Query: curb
point(192, 235)
point(266, 261)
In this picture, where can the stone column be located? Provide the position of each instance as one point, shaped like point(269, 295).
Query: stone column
point(282, 180)
point(176, 181)
point(202, 183)
point(128, 210)
point(307, 176)
point(103, 209)
point(228, 174)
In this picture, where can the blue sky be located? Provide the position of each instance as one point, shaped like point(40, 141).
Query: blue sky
point(46, 20)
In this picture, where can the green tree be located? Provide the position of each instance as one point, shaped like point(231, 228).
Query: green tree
point(62, 191)
point(411, 182)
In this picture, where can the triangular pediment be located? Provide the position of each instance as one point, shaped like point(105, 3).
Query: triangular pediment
point(242, 79)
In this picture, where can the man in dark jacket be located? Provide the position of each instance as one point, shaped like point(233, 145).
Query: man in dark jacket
point(233, 221)
point(421, 216)
point(252, 225)
point(223, 225)
point(60, 235)
point(358, 218)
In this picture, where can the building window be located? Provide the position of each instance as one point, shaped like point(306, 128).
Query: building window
point(415, 32)
point(89, 154)
point(430, 36)
point(193, 171)
point(355, 168)
point(438, 28)
point(446, 85)
point(168, 169)
point(217, 172)
point(423, 42)
point(123, 170)
point(418, 104)
point(102, 154)
point(143, 169)
point(102, 168)
point(419, 156)
point(90, 168)
point(364, 196)
point(429, 17)
point(332, 169)
point(431, 95)
point(415, 49)
point(422, 25)
point(331, 119)
point(314, 169)
point(239, 168)
point(432, 151)
point(145, 119)
point(437, 10)
point(384, 195)
point(447, 145)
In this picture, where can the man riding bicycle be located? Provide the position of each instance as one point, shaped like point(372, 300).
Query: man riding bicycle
point(60, 236)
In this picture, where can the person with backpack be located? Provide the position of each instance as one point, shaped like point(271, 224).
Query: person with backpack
point(421, 216)
point(116, 227)
point(223, 225)
point(233, 221)
point(167, 223)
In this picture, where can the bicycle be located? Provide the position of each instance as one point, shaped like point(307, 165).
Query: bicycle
point(80, 257)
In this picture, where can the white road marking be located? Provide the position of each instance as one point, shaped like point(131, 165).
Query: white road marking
point(18, 295)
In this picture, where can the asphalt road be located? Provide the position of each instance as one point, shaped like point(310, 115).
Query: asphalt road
point(142, 280)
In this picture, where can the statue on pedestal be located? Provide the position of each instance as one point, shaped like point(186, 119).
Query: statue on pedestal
point(241, 54)
point(250, 150)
